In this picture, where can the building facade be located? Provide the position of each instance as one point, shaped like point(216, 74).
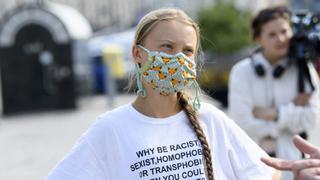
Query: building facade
point(125, 13)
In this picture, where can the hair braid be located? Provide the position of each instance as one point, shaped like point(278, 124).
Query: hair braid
point(192, 116)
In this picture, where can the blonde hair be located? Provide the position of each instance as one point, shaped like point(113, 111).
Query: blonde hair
point(150, 20)
point(145, 26)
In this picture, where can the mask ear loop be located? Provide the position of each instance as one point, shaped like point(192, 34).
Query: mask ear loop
point(141, 91)
point(196, 102)
point(145, 49)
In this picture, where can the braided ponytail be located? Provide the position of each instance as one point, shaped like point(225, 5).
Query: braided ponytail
point(192, 116)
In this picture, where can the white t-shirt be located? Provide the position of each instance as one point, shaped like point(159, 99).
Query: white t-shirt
point(124, 144)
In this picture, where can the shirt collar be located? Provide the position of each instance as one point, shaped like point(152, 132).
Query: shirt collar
point(260, 59)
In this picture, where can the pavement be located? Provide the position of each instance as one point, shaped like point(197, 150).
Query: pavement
point(32, 144)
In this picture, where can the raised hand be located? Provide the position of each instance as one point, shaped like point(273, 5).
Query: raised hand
point(303, 169)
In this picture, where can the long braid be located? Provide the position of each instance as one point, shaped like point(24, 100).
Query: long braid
point(192, 116)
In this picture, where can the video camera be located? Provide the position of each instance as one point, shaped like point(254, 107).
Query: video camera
point(305, 43)
point(304, 46)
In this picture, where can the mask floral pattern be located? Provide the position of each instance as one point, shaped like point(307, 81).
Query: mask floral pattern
point(167, 73)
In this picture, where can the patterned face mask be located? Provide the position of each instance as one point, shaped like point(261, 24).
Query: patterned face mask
point(168, 74)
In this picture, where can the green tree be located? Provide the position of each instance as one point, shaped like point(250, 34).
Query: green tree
point(225, 29)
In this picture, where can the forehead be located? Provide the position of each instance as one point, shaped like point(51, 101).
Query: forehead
point(275, 25)
point(173, 30)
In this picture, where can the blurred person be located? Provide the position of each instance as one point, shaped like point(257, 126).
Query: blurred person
point(304, 169)
point(264, 97)
point(164, 133)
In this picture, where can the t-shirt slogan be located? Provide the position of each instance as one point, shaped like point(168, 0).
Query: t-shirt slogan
point(170, 162)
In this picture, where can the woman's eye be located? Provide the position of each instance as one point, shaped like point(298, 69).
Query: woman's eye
point(284, 31)
point(167, 46)
point(188, 52)
point(271, 35)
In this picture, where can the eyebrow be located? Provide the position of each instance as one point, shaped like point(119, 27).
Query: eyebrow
point(165, 40)
point(172, 42)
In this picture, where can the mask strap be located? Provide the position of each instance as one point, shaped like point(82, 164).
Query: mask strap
point(148, 63)
point(144, 48)
point(196, 102)
point(141, 91)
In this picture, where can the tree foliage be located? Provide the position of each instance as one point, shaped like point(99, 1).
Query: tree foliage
point(224, 28)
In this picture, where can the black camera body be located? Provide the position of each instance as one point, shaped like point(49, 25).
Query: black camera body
point(305, 43)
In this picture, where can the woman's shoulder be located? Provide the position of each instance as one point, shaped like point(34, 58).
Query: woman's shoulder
point(118, 111)
point(211, 113)
point(217, 119)
point(108, 120)
point(106, 124)
point(241, 66)
point(207, 107)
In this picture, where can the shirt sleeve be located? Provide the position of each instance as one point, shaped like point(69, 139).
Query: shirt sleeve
point(80, 164)
point(241, 105)
point(245, 155)
point(300, 118)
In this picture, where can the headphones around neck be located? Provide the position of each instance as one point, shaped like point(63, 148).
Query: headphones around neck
point(260, 70)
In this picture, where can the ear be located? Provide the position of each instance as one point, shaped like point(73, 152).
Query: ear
point(136, 54)
point(257, 40)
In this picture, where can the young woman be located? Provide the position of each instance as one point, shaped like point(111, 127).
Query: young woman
point(264, 97)
point(164, 134)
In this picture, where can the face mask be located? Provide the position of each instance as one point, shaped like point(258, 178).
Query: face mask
point(168, 74)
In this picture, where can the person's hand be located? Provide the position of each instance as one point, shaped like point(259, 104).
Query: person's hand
point(306, 147)
point(268, 114)
point(312, 173)
point(305, 169)
point(302, 169)
point(302, 99)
